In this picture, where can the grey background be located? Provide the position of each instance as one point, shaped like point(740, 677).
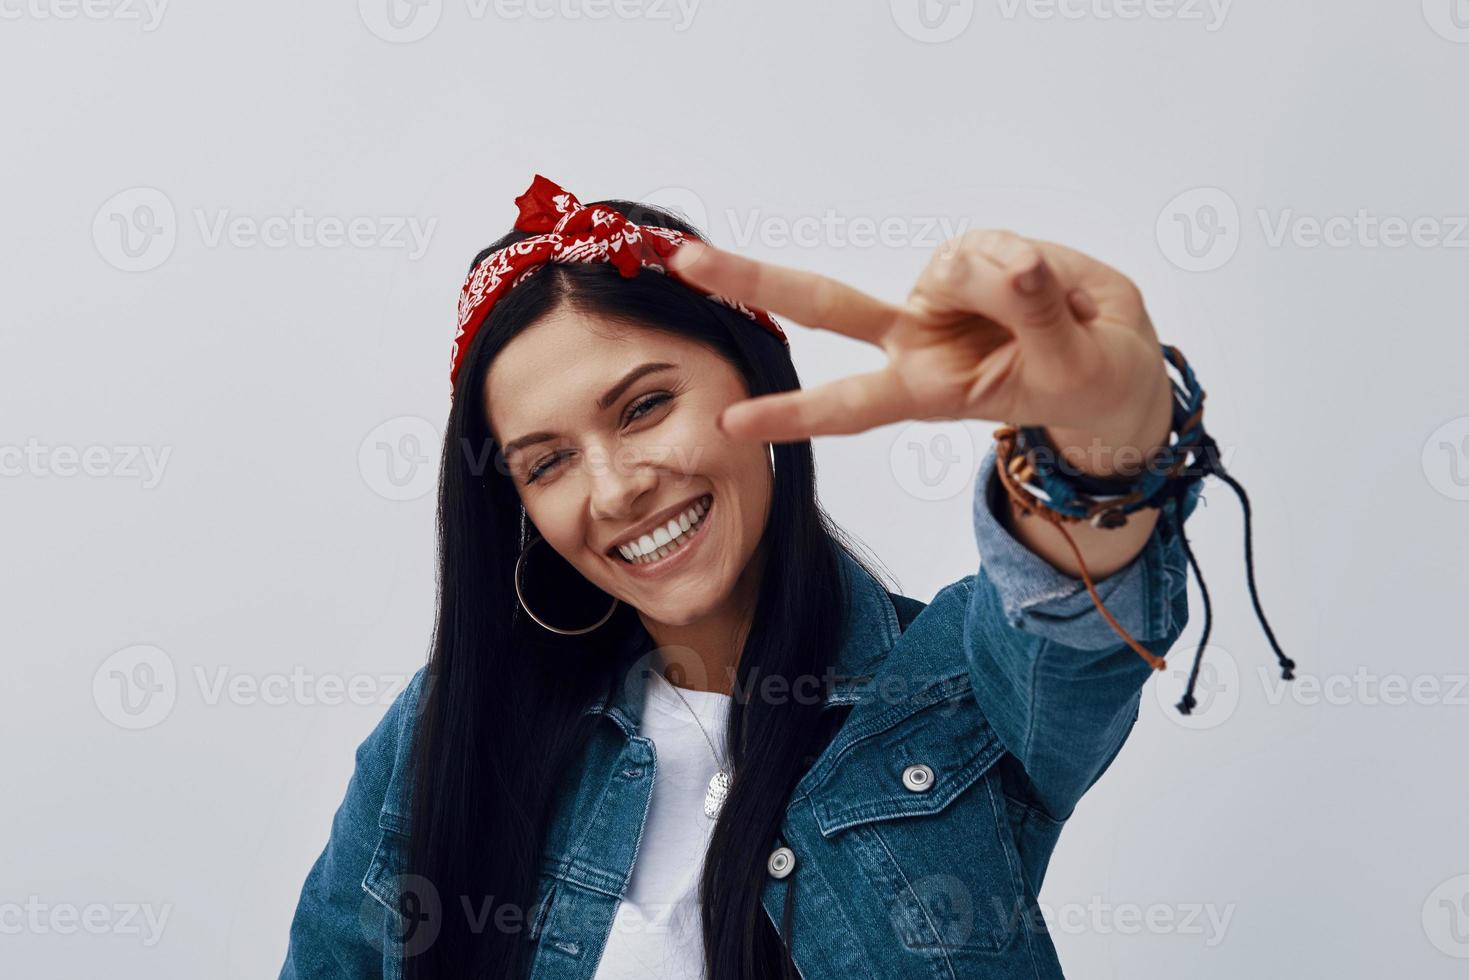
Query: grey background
point(283, 382)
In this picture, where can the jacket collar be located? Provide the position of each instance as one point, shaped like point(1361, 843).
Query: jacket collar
point(870, 629)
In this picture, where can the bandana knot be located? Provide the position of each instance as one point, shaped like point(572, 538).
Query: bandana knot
point(565, 230)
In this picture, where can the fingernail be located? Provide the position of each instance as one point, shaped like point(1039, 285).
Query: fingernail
point(1029, 282)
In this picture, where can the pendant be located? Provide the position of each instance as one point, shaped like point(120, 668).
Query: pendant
point(718, 790)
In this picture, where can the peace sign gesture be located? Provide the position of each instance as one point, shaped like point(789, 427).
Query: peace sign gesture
point(997, 327)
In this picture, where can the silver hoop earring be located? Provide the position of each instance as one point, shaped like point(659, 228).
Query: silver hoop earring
point(520, 591)
point(771, 447)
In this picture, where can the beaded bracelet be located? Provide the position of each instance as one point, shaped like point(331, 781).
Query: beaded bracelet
point(1032, 472)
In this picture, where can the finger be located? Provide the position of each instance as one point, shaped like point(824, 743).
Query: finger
point(962, 265)
point(842, 407)
point(805, 297)
point(1008, 279)
point(1083, 305)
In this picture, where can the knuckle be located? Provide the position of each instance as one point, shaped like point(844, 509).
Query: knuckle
point(998, 244)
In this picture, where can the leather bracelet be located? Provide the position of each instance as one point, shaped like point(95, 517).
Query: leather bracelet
point(1037, 487)
point(1041, 470)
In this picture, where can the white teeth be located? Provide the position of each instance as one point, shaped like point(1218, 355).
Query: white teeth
point(666, 539)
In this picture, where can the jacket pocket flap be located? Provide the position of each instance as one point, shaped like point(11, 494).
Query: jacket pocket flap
point(917, 765)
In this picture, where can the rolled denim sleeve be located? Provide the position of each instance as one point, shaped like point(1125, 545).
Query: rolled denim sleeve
point(1058, 685)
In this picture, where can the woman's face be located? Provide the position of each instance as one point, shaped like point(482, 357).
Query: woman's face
point(609, 435)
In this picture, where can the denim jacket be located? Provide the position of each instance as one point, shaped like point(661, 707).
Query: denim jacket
point(916, 844)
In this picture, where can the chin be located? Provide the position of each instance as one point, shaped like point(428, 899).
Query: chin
point(680, 610)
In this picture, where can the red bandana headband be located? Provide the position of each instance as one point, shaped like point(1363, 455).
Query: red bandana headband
point(571, 232)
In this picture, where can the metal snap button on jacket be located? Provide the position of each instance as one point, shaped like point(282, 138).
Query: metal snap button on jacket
point(782, 860)
point(918, 777)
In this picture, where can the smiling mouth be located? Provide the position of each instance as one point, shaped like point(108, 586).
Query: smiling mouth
point(668, 539)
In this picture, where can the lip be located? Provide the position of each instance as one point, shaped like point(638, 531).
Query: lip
point(676, 560)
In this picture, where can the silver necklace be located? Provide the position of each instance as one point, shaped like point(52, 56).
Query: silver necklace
point(719, 782)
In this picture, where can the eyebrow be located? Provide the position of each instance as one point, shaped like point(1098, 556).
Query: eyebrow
point(603, 403)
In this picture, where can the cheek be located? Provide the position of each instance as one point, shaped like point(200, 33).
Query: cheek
point(688, 443)
point(554, 516)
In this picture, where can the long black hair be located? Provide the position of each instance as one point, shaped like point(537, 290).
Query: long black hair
point(503, 704)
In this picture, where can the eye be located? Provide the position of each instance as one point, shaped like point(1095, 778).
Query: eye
point(640, 408)
point(541, 467)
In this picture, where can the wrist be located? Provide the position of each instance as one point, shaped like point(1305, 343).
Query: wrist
point(1120, 448)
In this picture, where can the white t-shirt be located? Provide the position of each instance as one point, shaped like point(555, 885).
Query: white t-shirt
point(656, 931)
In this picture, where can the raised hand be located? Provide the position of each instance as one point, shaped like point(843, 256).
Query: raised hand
point(997, 327)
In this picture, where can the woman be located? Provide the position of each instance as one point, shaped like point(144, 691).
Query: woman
point(670, 724)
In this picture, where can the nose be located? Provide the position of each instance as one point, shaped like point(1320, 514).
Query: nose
point(617, 481)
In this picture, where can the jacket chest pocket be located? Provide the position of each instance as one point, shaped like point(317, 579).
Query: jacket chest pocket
point(402, 913)
point(919, 844)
